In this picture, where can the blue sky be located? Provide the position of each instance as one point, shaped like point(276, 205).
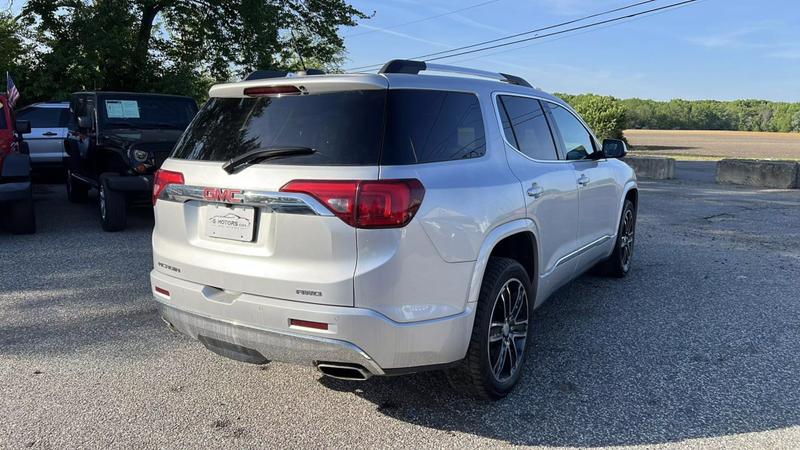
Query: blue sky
point(712, 49)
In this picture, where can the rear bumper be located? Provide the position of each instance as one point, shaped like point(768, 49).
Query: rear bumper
point(131, 183)
point(17, 190)
point(354, 336)
point(271, 344)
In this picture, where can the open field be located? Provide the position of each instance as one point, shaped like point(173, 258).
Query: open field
point(701, 144)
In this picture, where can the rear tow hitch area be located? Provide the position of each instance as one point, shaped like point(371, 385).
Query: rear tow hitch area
point(233, 351)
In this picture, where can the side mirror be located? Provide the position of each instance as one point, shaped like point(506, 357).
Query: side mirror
point(84, 122)
point(614, 148)
point(23, 126)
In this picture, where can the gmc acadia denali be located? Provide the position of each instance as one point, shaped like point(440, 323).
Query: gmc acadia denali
point(381, 224)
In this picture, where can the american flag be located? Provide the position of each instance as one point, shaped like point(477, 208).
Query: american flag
point(13, 92)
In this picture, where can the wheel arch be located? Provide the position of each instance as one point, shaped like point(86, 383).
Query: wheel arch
point(518, 240)
point(630, 192)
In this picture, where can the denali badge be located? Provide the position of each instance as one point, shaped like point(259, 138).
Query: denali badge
point(307, 292)
point(168, 267)
point(222, 195)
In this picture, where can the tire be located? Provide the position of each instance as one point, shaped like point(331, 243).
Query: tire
point(77, 192)
point(112, 206)
point(619, 263)
point(21, 216)
point(478, 375)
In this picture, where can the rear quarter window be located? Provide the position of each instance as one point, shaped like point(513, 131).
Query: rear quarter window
point(431, 126)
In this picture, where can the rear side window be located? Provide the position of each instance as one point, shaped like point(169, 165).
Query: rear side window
point(429, 126)
point(343, 127)
point(44, 117)
point(525, 127)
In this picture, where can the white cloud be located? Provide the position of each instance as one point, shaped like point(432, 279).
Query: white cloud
point(404, 35)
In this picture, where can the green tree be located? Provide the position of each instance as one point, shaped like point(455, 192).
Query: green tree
point(605, 115)
point(176, 46)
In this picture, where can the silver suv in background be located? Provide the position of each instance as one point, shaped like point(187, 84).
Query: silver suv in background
point(381, 224)
point(49, 123)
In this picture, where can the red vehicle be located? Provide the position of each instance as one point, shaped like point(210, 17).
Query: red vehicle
point(16, 199)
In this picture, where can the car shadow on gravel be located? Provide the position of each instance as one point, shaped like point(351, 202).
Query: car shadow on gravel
point(608, 370)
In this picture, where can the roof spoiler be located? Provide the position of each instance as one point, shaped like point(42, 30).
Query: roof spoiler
point(415, 67)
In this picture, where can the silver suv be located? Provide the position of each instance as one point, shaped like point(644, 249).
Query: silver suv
point(48, 130)
point(382, 224)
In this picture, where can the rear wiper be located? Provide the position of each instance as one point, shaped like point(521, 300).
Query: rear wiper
point(261, 154)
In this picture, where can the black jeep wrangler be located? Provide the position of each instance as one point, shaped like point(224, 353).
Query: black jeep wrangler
point(116, 141)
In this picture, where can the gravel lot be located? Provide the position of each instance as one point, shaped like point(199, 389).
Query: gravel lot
point(699, 347)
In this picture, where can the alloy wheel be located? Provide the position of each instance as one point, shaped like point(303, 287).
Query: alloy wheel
point(626, 239)
point(101, 193)
point(508, 330)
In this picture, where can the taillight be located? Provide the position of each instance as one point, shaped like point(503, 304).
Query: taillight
point(366, 204)
point(271, 91)
point(164, 178)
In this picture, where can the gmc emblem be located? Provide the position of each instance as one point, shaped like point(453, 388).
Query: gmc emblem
point(222, 195)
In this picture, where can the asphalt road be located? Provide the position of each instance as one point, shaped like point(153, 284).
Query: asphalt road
point(699, 347)
point(696, 171)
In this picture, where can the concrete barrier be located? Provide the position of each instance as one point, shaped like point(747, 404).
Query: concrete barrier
point(761, 173)
point(655, 167)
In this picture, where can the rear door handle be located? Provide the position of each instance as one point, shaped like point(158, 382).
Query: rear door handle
point(49, 133)
point(535, 191)
point(583, 180)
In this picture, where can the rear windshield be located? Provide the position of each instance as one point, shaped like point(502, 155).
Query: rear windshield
point(145, 111)
point(366, 127)
point(41, 117)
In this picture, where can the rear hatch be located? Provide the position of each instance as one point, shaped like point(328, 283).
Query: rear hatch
point(234, 230)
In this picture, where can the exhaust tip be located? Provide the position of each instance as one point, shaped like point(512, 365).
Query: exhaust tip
point(349, 372)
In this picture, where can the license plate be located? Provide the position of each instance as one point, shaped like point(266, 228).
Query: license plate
point(230, 222)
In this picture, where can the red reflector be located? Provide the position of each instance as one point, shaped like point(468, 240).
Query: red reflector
point(162, 291)
point(308, 324)
point(366, 204)
point(163, 179)
point(271, 91)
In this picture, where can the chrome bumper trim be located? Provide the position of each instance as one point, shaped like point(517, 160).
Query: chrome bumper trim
point(273, 345)
point(281, 202)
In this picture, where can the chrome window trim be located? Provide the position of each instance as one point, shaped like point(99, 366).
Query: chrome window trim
point(279, 202)
point(498, 118)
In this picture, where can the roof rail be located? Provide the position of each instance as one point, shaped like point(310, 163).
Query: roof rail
point(263, 74)
point(415, 67)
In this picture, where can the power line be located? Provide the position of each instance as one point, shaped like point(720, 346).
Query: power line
point(569, 22)
point(590, 25)
point(422, 19)
point(550, 27)
point(560, 37)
